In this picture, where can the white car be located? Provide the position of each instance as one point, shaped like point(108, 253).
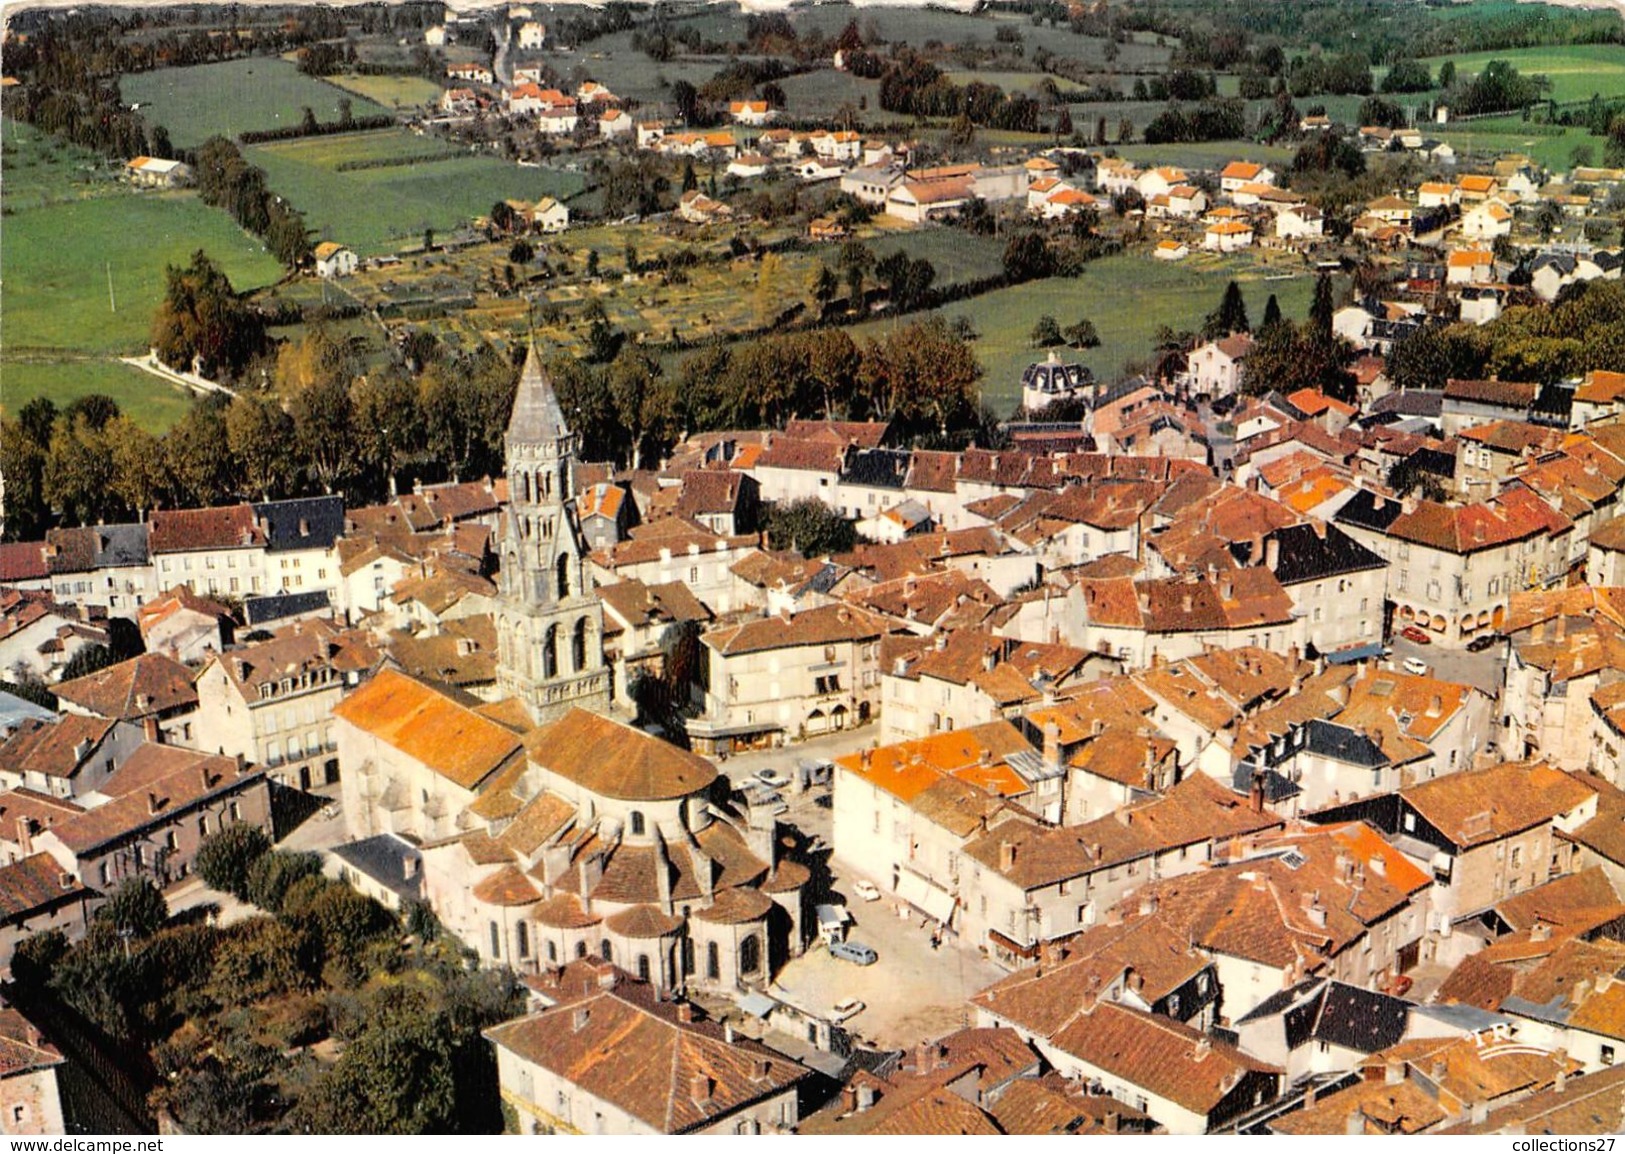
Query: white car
point(1416, 665)
point(866, 891)
point(845, 1009)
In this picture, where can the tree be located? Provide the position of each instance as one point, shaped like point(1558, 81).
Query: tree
point(1082, 334)
point(225, 858)
point(645, 405)
point(810, 527)
point(201, 321)
point(1447, 74)
point(140, 472)
point(307, 122)
point(1027, 257)
point(258, 959)
point(22, 463)
point(197, 454)
point(79, 473)
point(824, 287)
point(1272, 313)
point(1321, 308)
point(925, 376)
point(1125, 131)
point(136, 909)
point(261, 435)
point(1229, 317)
point(1046, 333)
point(87, 660)
point(274, 873)
point(855, 260)
point(324, 430)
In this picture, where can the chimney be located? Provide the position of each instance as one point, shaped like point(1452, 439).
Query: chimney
point(849, 1099)
point(606, 978)
point(866, 758)
point(699, 1088)
point(759, 1070)
point(1355, 1123)
point(1255, 793)
point(1112, 1122)
point(578, 1020)
point(866, 1097)
point(1204, 1047)
point(154, 803)
point(685, 1012)
point(1148, 905)
point(150, 730)
point(1007, 856)
point(1052, 744)
point(1437, 1071)
point(1309, 1098)
point(1561, 1083)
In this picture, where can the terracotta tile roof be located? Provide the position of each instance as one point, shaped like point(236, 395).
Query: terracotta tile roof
point(143, 686)
point(643, 923)
point(632, 603)
point(187, 530)
point(626, 1047)
point(303, 649)
point(1507, 394)
point(974, 755)
point(1047, 999)
point(615, 760)
point(463, 652)
point(1166, 1058)
point(864, 434)
point(429, 727)
point(33, 884)
point(21, 1047)
point(1601, 387)
point(1513, 515)
point(1605, 833)
point(820, 455)
point(671, 536)
point(1565, 901)
point(153, 784)
point(54, 748)
point(1400, 1109)
point(23, 561)
point(824, 625)
point(507, 887)
point(1479, 806)
point(1465, 1070)
point(1051, 1104)
point(25, 811)
point(1589, 1104)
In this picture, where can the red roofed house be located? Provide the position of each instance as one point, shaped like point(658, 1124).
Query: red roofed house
point(153, 813)
point(30, 1101)
point(1215, 368)
point(788, 677)
point(619, 1059)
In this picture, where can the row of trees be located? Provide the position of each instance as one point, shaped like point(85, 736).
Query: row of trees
point(913, 85)
point(226, 179)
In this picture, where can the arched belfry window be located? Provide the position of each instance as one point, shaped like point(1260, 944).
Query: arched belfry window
point(562, 573)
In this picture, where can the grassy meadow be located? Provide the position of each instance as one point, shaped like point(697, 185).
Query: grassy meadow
point(257, 93)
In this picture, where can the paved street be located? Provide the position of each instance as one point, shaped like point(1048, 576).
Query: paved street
point(1485, 670)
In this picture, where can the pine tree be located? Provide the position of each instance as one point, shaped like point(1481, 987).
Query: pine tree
point(1272, 313)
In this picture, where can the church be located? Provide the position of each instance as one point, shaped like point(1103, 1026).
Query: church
point(550, 626)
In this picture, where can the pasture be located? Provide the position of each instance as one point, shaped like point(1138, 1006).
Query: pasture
point(149, 402)
point(1127, 297)
point(56, 264)
point(41, 170)
point(391, 92)
point(376, 210)
point(257, 93)
point(1575, 70)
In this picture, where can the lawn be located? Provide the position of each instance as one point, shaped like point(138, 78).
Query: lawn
point(1207, 154)
point(390, 91)
point(957, 256)
point(817, 95)
point(56, 263)
point(1127, 297)
point(150, 402)
point(1483, 140)
point(376, 210)
point(256, 93)
point(1576, 70)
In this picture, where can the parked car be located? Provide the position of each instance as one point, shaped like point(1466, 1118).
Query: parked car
point(1416, 665)
point(772, 777)
point(866, 891)
point(1479, 644)
point(1412, 633)
point(847, 1008)
point(1400, 985)
point(855, 952)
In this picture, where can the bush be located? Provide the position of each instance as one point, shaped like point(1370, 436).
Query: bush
point(270, 878)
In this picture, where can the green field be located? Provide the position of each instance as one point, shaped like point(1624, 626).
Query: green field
point(40, 170)
point(68, 225)
point(1481, 141)
point(148, 401)
point(1576, 70)
point(390, 91)
point(376, 210)
point(1126, 296)
point(257, 93)
point(815, 95)
point(1207, 154)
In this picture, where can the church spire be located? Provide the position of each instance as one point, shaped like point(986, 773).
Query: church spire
point(537, 416)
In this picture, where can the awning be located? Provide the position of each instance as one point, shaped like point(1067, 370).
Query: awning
point(1358, 653)
point(1005, 943)
point(922, 895)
